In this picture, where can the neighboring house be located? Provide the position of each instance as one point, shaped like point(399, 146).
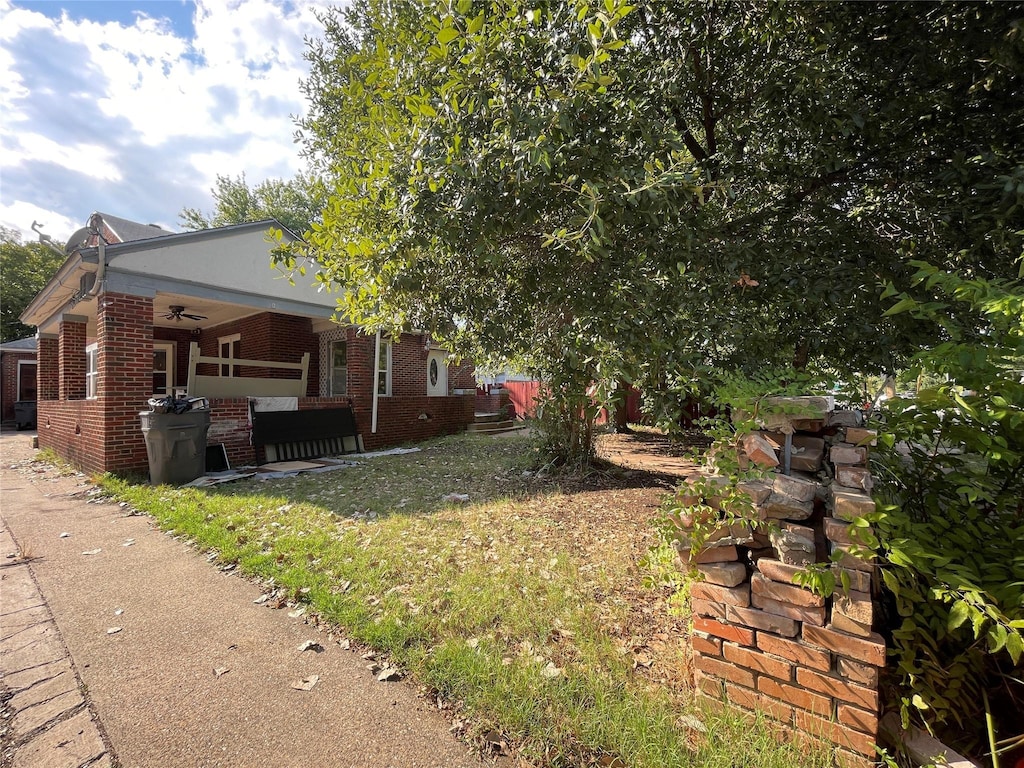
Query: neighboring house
point(17, 375)
point(137, 312)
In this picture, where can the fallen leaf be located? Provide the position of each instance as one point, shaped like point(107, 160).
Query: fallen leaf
point(389, 675)
point(642, 659)
point(296, 613)
point(495, 742)
point(345, 643)
point(310, 645)
point(306, 683)
point(261, 599)
point(118, 611)
point(611, 761)
point(92, 551)
point(64, 535)
point(693, 723)
point(473, 642)
point(550, 671)
point(220, 671)
point(114, 630)
point(128, 542)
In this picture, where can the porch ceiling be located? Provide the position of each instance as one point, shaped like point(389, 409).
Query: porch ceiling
point(214, 312)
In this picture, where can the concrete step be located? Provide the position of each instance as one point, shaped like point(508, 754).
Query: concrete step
point(482, 418)
point(488, 429)
point(488, 426)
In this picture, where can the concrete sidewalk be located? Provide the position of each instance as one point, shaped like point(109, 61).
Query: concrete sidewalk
point(149, 695)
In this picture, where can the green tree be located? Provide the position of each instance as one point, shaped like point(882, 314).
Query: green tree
point(24, 269)
point(651, 192)
point(296, 203)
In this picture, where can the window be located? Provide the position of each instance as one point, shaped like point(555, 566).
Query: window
point(92, 371)
point(384, 369)
point(163, 368)
point(26, 380)
point(339, 368)
point(228, 347)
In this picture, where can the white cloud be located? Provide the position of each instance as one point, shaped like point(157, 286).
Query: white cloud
point(93, 159)
point(20, 215)
point(137, 120)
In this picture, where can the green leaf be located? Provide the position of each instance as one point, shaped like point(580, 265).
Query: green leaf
point(446, 35)
point(1015, 646)
point(958, 614)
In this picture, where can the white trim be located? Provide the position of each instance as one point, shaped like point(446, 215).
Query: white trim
point(383, 347)
point(331, 345)
point(171, 348)
point(230, 341)
point(92, 371)
point(373, 383)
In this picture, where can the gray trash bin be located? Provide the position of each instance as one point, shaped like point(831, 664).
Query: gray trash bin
point(176, 445)
point(25, 413)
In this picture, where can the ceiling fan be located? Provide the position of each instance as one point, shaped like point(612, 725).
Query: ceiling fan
point(177, 312)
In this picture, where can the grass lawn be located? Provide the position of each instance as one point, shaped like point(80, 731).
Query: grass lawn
point(536, 612)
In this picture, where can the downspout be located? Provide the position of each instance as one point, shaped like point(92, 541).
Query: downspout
point(376, 385)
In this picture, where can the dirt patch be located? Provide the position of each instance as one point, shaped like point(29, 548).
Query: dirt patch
point(610, 516)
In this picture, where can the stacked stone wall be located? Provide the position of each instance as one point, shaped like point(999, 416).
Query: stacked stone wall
point(763, 641)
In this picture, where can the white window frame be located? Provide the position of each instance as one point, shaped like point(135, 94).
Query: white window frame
point(385, 368)
point(17, 392)
point(232, 369)
point(92, 371)
point(171, 349)
point(332, 368)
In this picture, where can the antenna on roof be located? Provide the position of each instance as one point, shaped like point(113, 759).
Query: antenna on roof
point(44, 238)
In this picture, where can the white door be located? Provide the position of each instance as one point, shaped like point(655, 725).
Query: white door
point(437, 373)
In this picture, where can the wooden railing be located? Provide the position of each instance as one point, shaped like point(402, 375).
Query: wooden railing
point(244, 386)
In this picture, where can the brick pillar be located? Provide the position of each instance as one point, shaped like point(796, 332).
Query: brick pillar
point(124, 326)
point(71, 358)
point(48, 372)
point(761, 640)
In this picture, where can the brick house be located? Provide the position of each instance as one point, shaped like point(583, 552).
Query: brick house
point(137, 311)
point(17, 375)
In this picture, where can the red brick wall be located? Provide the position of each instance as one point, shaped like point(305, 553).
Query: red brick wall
point(9, 381)
point(398, 419)
point(104, 434)
point(125, 336)
point(229, 424)
point(71, 346)
point(48, 372)
point(74, 429)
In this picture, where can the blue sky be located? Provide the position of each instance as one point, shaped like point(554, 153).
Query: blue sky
point(132, 107)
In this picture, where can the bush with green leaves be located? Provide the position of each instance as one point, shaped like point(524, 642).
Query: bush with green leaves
point(950, 519)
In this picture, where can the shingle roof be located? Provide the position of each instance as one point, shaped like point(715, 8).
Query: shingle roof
point(20, 345)
point(128, 231)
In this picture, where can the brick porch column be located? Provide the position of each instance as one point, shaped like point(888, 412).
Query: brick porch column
point(124, 327)
point(48, 370)
point(71, 358)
